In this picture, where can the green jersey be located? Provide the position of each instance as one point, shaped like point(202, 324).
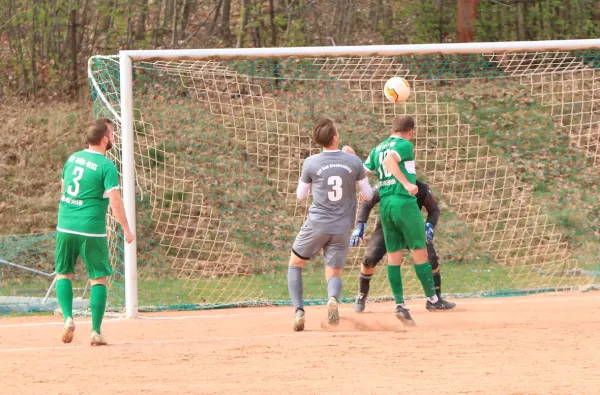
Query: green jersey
point(87, 177)
point(388, 185)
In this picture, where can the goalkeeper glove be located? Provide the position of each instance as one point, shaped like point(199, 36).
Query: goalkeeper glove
point(358, 234)
point(429, 232)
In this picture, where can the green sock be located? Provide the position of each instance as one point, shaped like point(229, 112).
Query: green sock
point(97, 305)
point(395, 278)
point(64, 294)
point(425, 276)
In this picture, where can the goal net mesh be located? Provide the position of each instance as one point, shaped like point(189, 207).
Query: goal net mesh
point(508, 143)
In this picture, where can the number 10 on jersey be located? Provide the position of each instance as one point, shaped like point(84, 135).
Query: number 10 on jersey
point(382, 170)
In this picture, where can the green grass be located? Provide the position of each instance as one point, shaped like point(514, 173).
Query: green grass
point(459, 280)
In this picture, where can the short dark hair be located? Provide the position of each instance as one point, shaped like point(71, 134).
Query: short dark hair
point(324, 131)
point(97, 129)
point(403, 123)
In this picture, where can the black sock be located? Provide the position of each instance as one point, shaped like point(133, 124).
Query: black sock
point(365, 283)
point(437, 280)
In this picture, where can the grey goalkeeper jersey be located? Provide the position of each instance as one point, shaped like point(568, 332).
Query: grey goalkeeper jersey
point(333, 175)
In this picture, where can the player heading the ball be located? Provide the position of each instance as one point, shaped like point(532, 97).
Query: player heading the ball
point(89, 183)
point(376, 249)
point(332, 175)
point(394, 163)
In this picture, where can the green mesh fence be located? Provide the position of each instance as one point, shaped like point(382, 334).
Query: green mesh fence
point(27, 274)
point(509, 144)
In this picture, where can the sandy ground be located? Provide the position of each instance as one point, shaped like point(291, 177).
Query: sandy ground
point(545, 344)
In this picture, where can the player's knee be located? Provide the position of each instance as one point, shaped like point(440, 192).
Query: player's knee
point(332, 272)
point(367, 271)
point(98, 281)
point(435, 263)
point(420, 256)
point(296, 259)
point(68, 276)
point(370, 262)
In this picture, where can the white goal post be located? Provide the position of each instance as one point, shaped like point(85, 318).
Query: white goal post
point(127, 59)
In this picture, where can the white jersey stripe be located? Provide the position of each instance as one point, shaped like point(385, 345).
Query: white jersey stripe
point(79, 233)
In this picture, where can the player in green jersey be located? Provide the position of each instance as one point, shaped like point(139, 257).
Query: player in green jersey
point(394, 162)
point(89, 183)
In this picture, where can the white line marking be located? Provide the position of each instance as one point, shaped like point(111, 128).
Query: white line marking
point(58, 322)
point(204, 340)
point(188, 317)
point(286, 310)
point(38, 348)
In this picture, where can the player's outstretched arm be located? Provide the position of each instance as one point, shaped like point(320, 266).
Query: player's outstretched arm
point(391, 163)
point(365, 189)
point(433, 210)
point(366, 207)
point(433, 214)
point(116, 204)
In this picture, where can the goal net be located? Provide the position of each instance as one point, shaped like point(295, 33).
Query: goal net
point(507, 141)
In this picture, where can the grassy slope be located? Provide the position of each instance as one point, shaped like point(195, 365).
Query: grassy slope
point(36, 143)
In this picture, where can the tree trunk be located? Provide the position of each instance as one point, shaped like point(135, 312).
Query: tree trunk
point(85, 18)
point(256, 36)
point(441, 21)
point(168, 13)
point(225, 21)
point(185, 18)
point(34, 35)
point(217, 11)
point(94, 35)
point(107, 19)
point(467, 10)
point(174, 28)
point(243, 21)
point(140, 28)
point(74, 76)
point(273, 27)
point(542, 27)
point(520, 21)
point(156, 28)
point(14, 35)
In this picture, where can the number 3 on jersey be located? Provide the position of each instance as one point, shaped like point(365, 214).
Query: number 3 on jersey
point(78, 173)
point(336, 183)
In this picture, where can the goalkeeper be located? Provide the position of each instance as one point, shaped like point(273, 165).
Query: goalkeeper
point(376, 249)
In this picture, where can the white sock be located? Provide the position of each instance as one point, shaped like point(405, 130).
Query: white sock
point(433, 299)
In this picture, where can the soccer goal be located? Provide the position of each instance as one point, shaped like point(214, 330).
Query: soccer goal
point(210, 144)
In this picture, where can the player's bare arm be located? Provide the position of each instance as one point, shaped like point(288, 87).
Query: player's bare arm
point(366, 192)
point(116, 205)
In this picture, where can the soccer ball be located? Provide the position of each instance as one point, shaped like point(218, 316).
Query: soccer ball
point(396, 89)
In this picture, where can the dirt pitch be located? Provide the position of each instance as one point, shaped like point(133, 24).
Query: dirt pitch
point(545, 344)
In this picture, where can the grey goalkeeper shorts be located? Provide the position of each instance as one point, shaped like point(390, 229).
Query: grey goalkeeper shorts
point(309, 242)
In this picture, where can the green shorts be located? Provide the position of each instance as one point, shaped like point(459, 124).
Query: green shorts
point(402, 223)
point(92, 250)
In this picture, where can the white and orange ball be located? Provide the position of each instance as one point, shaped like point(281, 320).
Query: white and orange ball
point(396, 89)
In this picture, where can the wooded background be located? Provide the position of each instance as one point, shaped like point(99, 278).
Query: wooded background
point(45, 44)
